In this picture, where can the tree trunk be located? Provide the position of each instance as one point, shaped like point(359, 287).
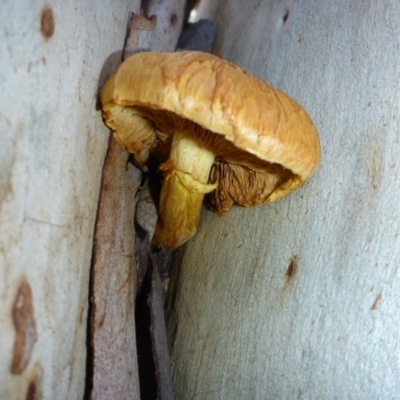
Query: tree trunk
point(299, 298)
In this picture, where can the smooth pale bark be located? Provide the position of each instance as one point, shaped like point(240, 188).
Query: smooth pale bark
point(169, 15)
point(53, 59)
point(241, 325)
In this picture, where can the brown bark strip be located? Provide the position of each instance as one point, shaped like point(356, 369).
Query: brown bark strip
point(112, 323)
point(113, 281)
point(112, 350)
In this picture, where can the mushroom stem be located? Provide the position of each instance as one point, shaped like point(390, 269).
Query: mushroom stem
point(182, 193)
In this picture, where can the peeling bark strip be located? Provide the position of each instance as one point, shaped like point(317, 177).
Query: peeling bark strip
point(25, 328)
point(113, 282)
point(112, 358)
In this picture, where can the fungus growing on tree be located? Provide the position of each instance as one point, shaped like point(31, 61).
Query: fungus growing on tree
point(214, 131)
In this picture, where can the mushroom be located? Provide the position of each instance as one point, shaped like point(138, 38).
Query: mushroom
point(213, 130)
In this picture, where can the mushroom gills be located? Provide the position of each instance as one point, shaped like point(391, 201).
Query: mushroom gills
point(239, 184)
point(133, 132)
point(186, 174)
